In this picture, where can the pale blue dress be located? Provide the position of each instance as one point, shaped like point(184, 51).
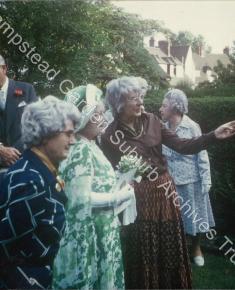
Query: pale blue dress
point(191, 174)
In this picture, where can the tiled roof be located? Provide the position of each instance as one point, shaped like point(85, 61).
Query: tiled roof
point(162, 58)
point(169, 60)
point(179, 51)
point(153, 52)
point(157, 54)
point(210, 60)
point(156, 51)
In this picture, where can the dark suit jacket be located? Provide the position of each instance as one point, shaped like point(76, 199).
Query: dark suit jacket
point(19, 94)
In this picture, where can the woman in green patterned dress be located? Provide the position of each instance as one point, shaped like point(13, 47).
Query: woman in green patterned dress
point(90, 253)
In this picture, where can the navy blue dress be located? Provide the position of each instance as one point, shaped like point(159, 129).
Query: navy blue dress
point(32, 222)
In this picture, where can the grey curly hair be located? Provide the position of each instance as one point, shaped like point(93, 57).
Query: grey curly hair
point(177, 100)
point(45, 118)
point(118, 89)
point(143, 85)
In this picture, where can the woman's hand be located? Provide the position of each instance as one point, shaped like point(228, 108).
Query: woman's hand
point(9, 155)
point(125, 193)
point(225, 131)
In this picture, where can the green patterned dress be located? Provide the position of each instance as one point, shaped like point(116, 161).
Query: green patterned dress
point(90, 253)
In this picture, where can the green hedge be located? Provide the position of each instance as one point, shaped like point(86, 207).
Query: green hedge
point(211, 112)
point(208, 89)
point(218, 91)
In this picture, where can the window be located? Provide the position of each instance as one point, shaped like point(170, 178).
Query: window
point(168, 69)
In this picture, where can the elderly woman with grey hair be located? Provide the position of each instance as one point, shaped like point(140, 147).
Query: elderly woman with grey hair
point(154, 248)
point(191, 173)
point(32, 199)
point(141, 83)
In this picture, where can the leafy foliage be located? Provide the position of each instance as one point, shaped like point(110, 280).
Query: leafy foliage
point(226, 75)
point(187, 38)
point(85, 41)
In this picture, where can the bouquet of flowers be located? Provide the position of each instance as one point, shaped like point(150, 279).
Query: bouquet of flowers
point(128, 170)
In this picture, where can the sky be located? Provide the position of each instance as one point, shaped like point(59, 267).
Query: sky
point(215, 20)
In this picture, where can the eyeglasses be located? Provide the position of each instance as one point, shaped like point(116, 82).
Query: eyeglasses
point(135, 98)
point(68, 133)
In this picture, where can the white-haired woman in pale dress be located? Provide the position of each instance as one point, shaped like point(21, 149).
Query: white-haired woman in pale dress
point(191, 173)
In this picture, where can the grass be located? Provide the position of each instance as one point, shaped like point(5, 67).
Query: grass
point(218, 273)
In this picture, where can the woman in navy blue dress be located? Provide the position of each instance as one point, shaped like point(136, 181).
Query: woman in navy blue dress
point(32, 200)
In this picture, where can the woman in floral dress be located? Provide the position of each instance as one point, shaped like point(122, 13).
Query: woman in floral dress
point(90, 254)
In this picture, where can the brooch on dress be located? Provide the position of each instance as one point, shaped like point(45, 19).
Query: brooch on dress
point(60, 183)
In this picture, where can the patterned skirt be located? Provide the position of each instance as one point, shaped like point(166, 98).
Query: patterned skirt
point(154, 247)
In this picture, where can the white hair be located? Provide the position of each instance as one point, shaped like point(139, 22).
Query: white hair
point(45, 118)
point(118, 89)
point(177, 100)
point(143, 85)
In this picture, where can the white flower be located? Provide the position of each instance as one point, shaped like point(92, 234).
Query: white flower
point(129, 162)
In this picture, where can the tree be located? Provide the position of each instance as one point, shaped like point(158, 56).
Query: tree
point(183, 38)
point(78, 41)
point(187, 38)
point(226, 75)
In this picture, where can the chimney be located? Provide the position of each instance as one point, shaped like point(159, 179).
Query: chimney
point(152, 42)
point(226, 50)
point(163, 45)
point(199, 50)
point(168, 47)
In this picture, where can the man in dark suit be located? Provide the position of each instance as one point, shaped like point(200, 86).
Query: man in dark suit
point(14, 95)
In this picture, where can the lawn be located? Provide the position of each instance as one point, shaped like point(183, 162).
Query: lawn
point(218, 273)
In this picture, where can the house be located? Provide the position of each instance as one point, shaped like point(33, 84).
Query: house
point(180, 63)
point(205, 65)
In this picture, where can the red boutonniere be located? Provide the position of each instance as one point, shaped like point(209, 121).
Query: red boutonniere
point(18, 92)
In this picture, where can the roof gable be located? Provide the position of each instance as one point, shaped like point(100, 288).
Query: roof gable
point(198, 61)
point(162, 58)
point(210, 60)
